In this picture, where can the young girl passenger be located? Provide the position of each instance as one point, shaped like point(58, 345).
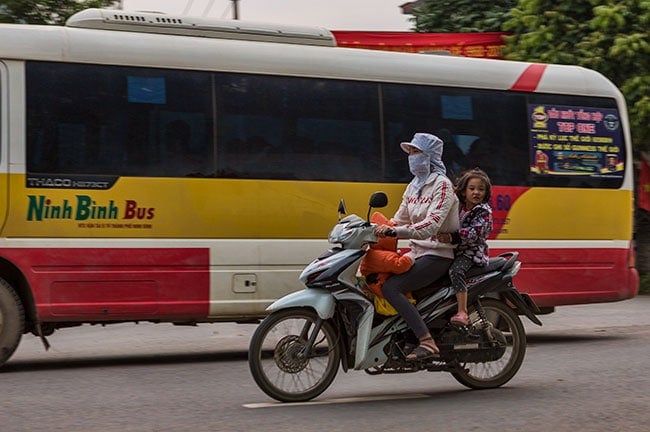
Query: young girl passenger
point(473, 190)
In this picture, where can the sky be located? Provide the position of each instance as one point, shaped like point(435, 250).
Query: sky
point(375, 15)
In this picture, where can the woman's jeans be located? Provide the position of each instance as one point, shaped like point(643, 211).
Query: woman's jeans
point(425, 270)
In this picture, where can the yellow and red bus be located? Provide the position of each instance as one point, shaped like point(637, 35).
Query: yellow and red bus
point(176, 169)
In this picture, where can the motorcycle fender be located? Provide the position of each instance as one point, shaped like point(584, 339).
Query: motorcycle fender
point(320, 300)
point(524, 304)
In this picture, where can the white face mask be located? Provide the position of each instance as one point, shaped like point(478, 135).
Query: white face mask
point(419, 165)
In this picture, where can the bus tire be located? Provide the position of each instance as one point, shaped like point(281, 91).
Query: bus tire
point(12, 321)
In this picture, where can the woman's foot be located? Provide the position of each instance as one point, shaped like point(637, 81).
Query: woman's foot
point(422, 353)
point(425, 350)
point(460, 319)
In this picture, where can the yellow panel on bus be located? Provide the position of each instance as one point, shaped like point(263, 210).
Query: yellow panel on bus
point(220, 208)
point(188, 208)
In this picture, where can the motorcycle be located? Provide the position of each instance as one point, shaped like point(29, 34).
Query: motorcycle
point(296, 351)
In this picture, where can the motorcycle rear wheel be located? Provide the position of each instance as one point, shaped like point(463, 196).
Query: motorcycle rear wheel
point(496, 373)
point(278, 364)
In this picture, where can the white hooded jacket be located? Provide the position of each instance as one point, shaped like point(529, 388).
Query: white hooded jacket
point(423, 214)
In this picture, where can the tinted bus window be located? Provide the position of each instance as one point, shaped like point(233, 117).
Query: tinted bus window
point(479, 128)
point(90, 119)
point(86, 119)
point(297, 128)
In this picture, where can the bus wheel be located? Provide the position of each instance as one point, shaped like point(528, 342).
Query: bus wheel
point(12, 321)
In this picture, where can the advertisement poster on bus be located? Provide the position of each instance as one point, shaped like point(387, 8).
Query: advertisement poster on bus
point(570, 140)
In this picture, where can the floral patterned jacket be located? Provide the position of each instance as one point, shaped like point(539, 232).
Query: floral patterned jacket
point(471, 238)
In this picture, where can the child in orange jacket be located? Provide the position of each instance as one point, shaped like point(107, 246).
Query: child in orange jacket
point(381, 261)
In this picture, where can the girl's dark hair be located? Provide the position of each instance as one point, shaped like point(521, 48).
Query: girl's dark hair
point(466, 176)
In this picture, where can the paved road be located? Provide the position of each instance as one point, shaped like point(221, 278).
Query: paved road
point(585, 370)
point(632, 312)
point(163, 339)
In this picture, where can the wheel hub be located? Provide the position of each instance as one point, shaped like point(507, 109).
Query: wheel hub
point(499, 344)
point(288, 354)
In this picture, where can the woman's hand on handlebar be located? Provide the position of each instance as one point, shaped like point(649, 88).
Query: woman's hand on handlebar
point(385, 231)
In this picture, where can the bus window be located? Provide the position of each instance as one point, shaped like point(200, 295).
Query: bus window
point(474, 132)
point(89, 119)
point(313, 129)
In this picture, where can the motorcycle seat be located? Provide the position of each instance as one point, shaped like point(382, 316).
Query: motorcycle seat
point(494, 263)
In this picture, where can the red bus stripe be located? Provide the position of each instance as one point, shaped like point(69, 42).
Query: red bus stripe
point(530, 78)
point(116, 283)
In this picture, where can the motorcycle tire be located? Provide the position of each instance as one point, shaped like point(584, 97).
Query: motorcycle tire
point(508, 327)
point(276, 359)
point(12, 321)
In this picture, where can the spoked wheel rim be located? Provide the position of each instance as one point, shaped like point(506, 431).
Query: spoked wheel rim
point(279, 362)
point(511, 339)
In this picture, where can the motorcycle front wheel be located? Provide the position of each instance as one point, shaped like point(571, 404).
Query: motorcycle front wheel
point(507, 330)
point(279, 362)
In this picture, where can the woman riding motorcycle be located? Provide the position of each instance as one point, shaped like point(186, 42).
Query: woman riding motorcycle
point(428, 205)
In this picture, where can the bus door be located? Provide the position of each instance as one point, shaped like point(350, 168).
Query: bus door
point(4, 144)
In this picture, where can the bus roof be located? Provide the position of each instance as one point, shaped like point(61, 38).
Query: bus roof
point(82, 41)
point(151, 22)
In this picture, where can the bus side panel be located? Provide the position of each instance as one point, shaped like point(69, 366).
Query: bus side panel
point(563, 214)
point(555, 277)
point(94, 284)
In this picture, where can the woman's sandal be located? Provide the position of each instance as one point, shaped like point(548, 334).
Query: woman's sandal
point(409, 348)
point(422, 353)
point(460, 319)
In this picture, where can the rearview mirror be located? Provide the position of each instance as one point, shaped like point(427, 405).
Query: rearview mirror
point(378, 200)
